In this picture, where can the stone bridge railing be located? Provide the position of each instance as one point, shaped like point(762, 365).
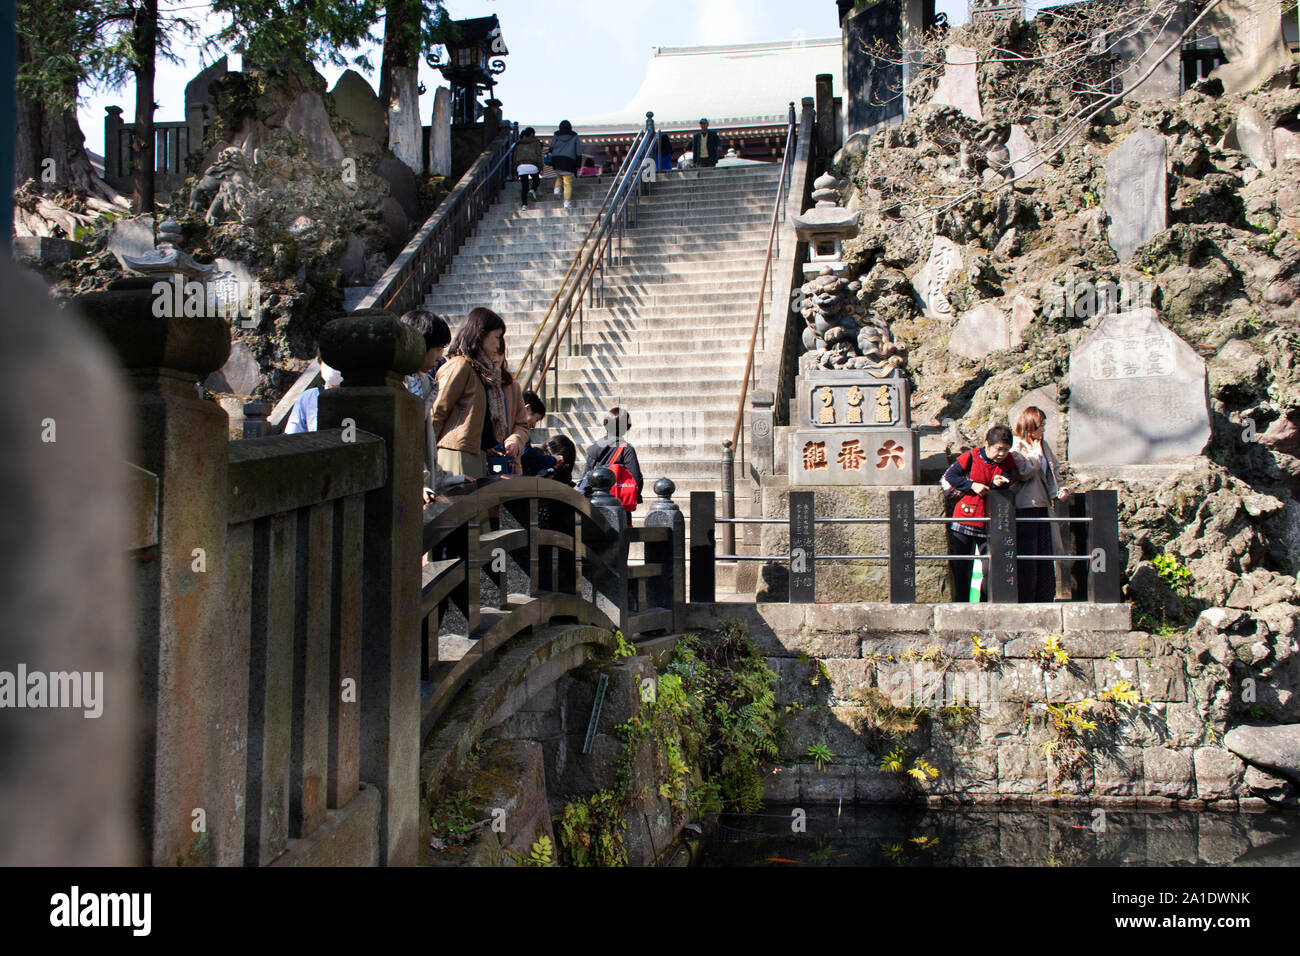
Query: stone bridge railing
point(287, 627)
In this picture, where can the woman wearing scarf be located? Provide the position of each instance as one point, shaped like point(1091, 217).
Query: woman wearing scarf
point(474, 411)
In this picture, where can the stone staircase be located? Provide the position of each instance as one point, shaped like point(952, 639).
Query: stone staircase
point(669, 335)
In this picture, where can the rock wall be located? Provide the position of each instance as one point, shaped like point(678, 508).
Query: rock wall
point(850, 672)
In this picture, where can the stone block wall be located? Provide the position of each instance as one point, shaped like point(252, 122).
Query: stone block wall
point(834, 660)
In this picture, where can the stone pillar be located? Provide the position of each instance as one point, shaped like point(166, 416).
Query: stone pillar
point(193, 690)
point(606, 576)
point(374, 351)
point(825, 121)
point(440, 134)
point(405, 133)
point(67, 776)
point(670, 591)
point(112, 143)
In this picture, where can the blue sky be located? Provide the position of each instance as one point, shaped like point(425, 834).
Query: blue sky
point(599, 47)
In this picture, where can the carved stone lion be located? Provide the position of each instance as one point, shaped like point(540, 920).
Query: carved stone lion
point(226, 190)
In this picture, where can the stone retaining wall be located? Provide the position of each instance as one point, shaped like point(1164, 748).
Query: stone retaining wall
point(1166, 749)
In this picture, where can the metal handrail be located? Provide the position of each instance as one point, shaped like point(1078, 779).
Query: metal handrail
point(587, 260)
point(730, 447)
point(577, 257)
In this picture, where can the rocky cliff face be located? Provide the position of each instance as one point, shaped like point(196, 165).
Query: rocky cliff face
point(1216, 530)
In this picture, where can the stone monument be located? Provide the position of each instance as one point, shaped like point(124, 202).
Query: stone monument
point(405, 133)
point(440, 134)
point(1138, 393)
point(853, 423)
point(1135, 191)
point(1250, 34)
point(959, 85)
point(945, 259)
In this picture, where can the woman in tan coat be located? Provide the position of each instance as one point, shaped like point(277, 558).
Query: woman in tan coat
point(474, 411)
point(1038, 475)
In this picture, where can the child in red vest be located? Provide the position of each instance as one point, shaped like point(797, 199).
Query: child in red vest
point(972, 475)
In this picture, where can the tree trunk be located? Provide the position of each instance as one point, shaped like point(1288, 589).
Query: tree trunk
point(144, 39)
point(48, 143)
point(401, 43)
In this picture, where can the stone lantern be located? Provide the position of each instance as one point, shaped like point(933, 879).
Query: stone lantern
point(824, 227)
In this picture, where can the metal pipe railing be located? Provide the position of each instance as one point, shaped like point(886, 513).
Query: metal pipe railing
point(558, 320)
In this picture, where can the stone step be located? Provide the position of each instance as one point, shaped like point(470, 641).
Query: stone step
point(632, 242)
point(619, 297)
point(508, 281)
point(603, 361)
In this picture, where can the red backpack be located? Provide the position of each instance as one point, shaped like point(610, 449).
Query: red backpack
point(624, 489)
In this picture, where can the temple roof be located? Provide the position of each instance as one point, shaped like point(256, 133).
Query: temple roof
point(739, 84)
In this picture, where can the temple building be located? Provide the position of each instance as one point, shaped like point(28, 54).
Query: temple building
point(743, 89)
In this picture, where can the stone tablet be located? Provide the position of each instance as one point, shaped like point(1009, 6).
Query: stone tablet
point(440, 134)
point(356, 102)
point(1025, 158)
point(405, 133)
point(1250, 33)
point(239, 375)
point(1135, 191)
point(852, 456)
point(945, 259)
point(131, 237)
point(1286, 143)
point(1255, 138)
point(982, 330)
point(959, 85)
point(1138, 393)
point(307, 117)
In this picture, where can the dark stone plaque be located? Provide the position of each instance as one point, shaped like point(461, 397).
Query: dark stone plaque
point(874, 87)
point(1002, 548)
point(902, 547)
point(803, 575)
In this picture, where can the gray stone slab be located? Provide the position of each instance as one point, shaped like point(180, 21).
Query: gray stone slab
point(356, 102)
point(1255, 138)
point(854, 456)
point(945, 259)
point(959, 85)
point(1025, 158)
point(47, 249)
point(131, 237)
point(1147, 48)
point(1136, 198)
point(401, 184)
point(308, 118)
point(440, 134)
point(830, 398)
point(1138, 393)
point(239, 375)
point(1250, 33)
point(405, 131)
point(982, 330)
point(1286, 143)
point(1275, 749)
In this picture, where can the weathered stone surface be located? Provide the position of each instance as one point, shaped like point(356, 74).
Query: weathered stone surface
point(397, 223)
point(1219, 773)
point(1286, 143)
point(1021, 769)
point(352, 262)
point(856, 456)
point(945, 259)
point(356, 102)
point(131, 237)
point(1255, 137)
point(405, 132)
point(401, 183)
point(1167, 773)
point(1250, 33)
point(308, 118)
point(440, 134)
point(1025, 158)
point(1136, 200)
point(47, 249)
point(980, 331)
point(1118, 772)
point(1273, 748)
point(1138, 393)
point(959, 84)
point(239, 375)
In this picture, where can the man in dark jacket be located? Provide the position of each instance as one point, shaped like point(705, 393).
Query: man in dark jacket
point(565, 154)
point(704, 145)
point(617, 423)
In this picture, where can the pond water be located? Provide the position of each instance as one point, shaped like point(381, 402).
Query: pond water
point(916, 836)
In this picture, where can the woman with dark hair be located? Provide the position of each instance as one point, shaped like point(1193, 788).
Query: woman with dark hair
point(972, 475)
point(471, 413)
point(561, 448)
point(1039, 474)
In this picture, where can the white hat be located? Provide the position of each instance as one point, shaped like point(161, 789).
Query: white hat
point(332, 376)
